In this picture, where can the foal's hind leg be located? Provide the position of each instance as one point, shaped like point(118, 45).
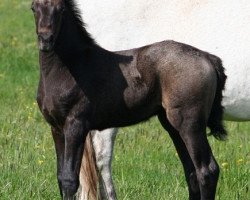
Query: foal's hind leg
point(190, 174)
point(191, 124)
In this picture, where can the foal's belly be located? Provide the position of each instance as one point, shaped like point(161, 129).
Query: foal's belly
point(114, 120)
point(135, 103)
point(122, 114)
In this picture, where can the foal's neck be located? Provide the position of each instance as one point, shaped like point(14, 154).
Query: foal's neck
point(73, 40)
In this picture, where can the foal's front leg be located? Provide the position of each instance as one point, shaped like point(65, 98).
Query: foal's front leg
point(59, 146)
point(75, 134)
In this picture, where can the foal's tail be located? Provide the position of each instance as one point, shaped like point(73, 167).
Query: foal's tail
point(216, 116)
point(89, 174)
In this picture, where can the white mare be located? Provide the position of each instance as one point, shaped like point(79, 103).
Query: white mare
point(217, 26)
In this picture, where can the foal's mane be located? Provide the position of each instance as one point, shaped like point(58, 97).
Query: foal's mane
point(76, 13)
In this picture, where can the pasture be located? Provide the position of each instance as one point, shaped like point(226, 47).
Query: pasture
point(145, 164)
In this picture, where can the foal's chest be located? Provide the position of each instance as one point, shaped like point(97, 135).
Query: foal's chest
point(56, 100)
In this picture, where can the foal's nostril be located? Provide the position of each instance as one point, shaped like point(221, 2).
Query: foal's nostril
point(45, 37)
point(50, 38)
point(40, 37)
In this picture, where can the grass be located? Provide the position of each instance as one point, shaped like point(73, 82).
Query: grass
point(145, 164)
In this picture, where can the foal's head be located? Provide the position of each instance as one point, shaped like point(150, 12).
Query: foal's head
point(48, 17)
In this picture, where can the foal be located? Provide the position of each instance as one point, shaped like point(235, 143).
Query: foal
point(84, 87)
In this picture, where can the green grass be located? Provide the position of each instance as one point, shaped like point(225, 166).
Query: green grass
point(145, 163)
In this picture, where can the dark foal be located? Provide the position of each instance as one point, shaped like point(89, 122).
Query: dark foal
point(84, 87)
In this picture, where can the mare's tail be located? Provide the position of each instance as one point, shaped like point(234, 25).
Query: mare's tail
point(216, 116)
point(89, 174)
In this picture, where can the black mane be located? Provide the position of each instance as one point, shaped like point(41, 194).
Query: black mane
point(76, 13)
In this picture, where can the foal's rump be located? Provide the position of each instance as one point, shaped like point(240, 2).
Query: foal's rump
point(188, 77)
point(183, 71)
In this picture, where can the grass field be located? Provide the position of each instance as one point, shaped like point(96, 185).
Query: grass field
point(145, 163)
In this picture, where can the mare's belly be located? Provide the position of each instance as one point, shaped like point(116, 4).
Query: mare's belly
point(237, 91)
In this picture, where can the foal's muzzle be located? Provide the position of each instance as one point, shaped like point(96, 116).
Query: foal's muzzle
point(46, 41)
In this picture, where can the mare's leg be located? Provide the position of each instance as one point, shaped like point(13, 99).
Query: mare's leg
point(103, 143)
point(59, 146)
point(191, 124)
point(190, 174)
point(75, 134)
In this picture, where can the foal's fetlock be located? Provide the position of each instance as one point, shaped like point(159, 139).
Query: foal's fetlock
point(69, 188)
point(67, 196)
point(194, 189)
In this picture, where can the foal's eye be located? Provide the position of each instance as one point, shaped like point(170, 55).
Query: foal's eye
point(61, 8)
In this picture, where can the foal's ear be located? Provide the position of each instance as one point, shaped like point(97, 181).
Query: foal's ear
point(32, 6)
